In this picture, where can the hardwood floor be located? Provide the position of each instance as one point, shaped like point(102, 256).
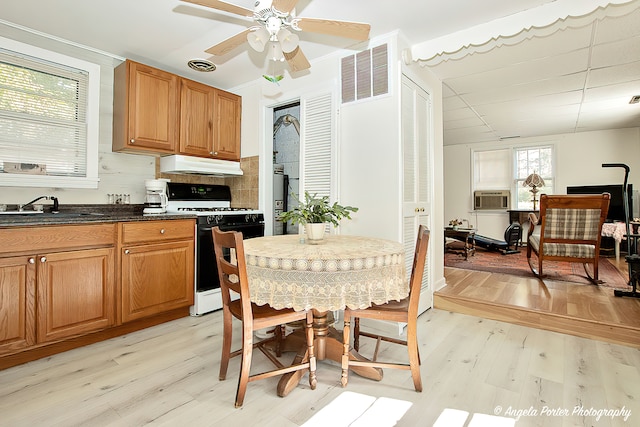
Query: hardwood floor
point(167, 375)
point(583, 310)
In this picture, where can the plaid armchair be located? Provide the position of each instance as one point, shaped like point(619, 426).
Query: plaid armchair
point(569, 229)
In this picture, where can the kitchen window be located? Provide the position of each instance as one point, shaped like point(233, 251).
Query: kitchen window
point(48, 118)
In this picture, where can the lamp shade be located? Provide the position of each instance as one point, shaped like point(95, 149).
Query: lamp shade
point(258, 39)
point(288, 40)
point(534, 180)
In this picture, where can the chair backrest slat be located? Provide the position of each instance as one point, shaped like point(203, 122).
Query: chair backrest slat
point(232, 270)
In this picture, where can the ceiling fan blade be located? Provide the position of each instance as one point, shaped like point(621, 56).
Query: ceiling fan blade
point(284, 6)
point(296, 60)
point(229, 44)
point(223, 6)
point(352, 30)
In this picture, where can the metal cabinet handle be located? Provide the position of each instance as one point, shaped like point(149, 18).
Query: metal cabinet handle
point(127, 251)
point(43, 259)
point(32, 261)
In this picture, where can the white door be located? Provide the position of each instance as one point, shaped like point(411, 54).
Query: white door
point(417, 182)
point(318, 163)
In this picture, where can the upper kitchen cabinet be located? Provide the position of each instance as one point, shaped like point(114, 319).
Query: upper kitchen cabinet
point(145, 109)
point(226, 130)
point(156, 112)
point(196, 118)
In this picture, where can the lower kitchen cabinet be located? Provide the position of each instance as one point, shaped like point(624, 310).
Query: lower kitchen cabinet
point(75, 293)
point(54, 284)
point(64, 286)
point(157, 267)
point(17, 303)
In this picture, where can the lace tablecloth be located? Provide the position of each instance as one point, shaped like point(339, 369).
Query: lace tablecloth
point(342, 271)
point(617, 230)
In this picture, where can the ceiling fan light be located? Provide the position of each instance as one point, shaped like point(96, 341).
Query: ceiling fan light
point(288, 40)
point(275, 52)
point(258, 39)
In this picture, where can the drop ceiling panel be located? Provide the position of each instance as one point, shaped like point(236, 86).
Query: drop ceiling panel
point(618, 28)
point(614, 74)
point(616, 53)
point(535, 70)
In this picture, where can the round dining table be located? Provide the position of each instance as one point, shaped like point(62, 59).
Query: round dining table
point(340, 271)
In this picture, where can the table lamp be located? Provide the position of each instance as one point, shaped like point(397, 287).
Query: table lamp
point(534, 181)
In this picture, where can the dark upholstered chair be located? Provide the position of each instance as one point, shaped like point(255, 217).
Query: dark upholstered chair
point(569, 229)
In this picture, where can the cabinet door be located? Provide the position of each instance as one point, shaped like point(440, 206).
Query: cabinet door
point(196, 118)
point(156, 278)
point(75, 293)
point(17, 303)
point(227, 111)
point(152, 108)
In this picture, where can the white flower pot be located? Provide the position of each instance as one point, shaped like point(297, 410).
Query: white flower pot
point(315, 232)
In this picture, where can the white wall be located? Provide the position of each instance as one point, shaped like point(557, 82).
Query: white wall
point(118, 173)
point(579, 159)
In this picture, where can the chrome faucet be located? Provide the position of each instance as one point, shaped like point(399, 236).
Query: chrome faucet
point(54, 208)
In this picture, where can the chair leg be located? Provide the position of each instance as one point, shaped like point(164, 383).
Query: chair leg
point(344, 379)
point(356, 333)
point(312, 356)
point(414, 357)
point(227, 328)
point(245, 366)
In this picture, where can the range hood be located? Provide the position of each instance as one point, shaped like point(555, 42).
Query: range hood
point(198, 165)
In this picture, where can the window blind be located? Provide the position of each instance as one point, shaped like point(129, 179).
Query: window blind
point(43, 115)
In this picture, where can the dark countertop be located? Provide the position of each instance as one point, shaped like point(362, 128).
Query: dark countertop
point(83, 214)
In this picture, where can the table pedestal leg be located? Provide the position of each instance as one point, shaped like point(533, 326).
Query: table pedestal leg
point(327, 345)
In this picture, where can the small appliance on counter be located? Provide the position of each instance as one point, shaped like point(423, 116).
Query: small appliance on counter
point(155, 200)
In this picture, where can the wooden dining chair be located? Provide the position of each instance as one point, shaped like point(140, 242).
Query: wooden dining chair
point(229, 254)
point(405, 311)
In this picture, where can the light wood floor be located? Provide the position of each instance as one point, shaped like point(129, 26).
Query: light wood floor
point(167, 375)
point(584, 310)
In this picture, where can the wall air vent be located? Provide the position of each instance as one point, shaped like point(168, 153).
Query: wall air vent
point(365, 74)
point(491, 200)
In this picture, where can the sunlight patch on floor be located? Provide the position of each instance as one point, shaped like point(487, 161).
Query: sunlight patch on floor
point(359, 410)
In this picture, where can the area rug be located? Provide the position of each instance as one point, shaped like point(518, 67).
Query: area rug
point(516, 265)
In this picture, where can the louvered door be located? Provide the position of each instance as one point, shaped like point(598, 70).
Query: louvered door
point(416, 124)
point(317, 144)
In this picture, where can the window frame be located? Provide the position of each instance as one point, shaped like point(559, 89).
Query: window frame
point(91, 179)
point(512, 171)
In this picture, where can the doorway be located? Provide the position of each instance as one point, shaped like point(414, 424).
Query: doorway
point(286, 163)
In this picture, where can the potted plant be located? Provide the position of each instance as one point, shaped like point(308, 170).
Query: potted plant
point(315, 212)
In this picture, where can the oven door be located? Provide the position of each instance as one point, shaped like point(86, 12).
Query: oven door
point(206, 268)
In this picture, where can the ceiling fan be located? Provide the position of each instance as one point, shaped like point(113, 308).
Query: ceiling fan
point(276, 27)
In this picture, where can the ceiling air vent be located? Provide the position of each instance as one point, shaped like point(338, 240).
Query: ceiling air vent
point(635, 99)
point(202, 65)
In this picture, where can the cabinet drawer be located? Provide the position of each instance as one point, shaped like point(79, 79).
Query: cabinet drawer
point(55, 238)
point(155, 231)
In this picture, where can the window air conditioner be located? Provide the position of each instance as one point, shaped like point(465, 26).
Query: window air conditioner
point(491, 200)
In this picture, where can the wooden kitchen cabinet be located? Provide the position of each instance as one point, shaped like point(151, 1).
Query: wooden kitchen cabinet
point(157, 112)
point(227, 123)
point(17, 303)
point(75, 293)
point(157, 267)
point(55, 282)
point(145, 109)
point(196, 118)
